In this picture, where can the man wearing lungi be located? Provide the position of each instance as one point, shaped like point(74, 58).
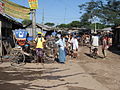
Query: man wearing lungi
point(39, 47)
point(60, 43)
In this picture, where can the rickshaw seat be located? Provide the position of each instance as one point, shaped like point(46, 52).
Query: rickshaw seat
point(21, 42)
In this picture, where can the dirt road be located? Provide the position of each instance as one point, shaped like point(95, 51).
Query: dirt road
point(85, 73)
point(106, 71)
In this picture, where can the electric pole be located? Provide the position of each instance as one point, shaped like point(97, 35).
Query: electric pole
point(65, 16)
point(42, 20)
point(43, 17)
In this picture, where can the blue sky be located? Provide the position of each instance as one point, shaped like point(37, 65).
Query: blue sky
point(56, 11)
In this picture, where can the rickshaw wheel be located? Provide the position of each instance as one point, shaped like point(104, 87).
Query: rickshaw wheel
point(1, 61)
point(17, 58)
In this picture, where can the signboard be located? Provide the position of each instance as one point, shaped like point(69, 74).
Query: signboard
point(20, 34)
point(1, 6)
point(16, 10)
point(33, 4)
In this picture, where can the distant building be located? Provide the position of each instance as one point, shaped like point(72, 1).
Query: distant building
point(108, 29)
point(8, 24)
point(39, 28)
point(116, 37)
point(80, 30)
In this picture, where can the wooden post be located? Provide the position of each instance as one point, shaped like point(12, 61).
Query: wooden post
point(34, 23)
point(0, 39)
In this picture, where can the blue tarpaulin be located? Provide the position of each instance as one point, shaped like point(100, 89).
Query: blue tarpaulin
point(30, 38)
point(54, 33)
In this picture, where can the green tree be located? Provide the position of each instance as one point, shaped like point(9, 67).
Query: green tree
point(98, 26)
point(26, 22)
point(107, 11)
point(75, 24)
point(49, 24)
point(62, 25)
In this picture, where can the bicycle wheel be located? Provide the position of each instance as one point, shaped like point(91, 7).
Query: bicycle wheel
point(17, 58)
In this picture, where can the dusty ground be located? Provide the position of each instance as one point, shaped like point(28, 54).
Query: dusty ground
point(84, 74)
point(106, 71)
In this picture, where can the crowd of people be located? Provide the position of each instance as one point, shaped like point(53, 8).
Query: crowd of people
point(95, 40)
point(62, 45)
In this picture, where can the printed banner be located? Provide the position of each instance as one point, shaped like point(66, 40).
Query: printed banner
point(20, 34)
point(33, 4)
point(16, 10)
point(1, 7)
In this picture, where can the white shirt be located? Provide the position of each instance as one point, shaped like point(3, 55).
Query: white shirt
point(61, 43)
point(75, 43)
point(95, 41)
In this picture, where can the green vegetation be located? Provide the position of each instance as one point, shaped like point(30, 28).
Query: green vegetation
point(107, 11)
point(49, 24)
point(79, 24)
point(26, 22)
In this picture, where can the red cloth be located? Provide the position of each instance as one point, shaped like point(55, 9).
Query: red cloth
point(21, 42)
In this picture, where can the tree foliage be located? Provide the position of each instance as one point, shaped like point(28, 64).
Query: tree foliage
point(98, 26)
point(107, 11)
point(62, 26)
point(49, 24)
point(79, 24)
point(26, 22)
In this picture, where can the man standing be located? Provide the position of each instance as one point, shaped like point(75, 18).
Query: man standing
point(75, 47)
point(39, 47)
point(104, 45)
point(61, 45)
point(95, 44)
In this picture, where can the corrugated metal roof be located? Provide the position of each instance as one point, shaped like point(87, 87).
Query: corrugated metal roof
point(107, 29)
point(11, 20)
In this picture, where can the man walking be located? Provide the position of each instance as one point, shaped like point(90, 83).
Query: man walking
point(104, 45)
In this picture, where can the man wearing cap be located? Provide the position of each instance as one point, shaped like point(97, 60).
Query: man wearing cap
point(39, 47)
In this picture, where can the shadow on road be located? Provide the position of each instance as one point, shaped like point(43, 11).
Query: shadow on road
point(9, 76)
point(114, 49)
point(77, 88)
point(89, 55)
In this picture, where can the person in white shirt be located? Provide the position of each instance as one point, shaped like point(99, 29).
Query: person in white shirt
point(95, 43)
point(75, 47)
point(70, 45)
point(61, 44)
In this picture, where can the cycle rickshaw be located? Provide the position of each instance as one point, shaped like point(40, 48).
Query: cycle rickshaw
point(19, 53)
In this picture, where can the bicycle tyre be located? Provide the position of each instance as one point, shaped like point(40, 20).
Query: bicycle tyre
point(17, 58)
point(1, 61)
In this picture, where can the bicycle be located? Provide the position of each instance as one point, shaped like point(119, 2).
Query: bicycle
point(17, 57)
point(94, 53)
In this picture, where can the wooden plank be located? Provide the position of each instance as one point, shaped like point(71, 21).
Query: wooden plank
point(0, 39)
